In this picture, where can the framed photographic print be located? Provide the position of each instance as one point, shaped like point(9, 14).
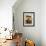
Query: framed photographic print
point(28, 19)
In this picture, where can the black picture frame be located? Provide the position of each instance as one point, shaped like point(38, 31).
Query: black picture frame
point(28, 19)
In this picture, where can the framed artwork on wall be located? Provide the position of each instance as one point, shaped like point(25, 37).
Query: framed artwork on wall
point(28, 19)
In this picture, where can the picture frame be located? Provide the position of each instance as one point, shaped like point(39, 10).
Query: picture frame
point(28, 19)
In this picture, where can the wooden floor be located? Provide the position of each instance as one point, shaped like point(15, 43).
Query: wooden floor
point(9, 43)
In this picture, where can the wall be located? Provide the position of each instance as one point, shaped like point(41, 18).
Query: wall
point(33, 33)
point(6, 13)
point(43, 22)
point(33, 5)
